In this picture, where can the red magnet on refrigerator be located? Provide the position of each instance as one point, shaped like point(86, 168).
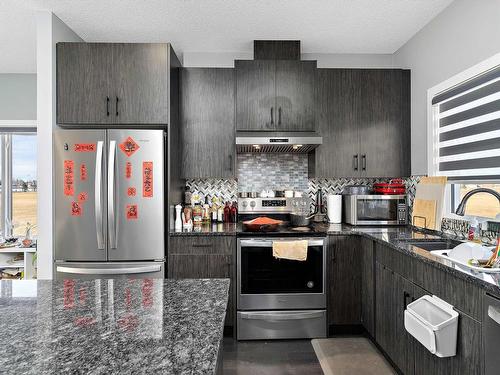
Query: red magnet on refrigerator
point(69, 172)
point(84, 147)
point(131, 211)
point(83, 172)
point(128, 170)
point(129, 146)
point(76, 209)
point(82, 197)
point(147, 179)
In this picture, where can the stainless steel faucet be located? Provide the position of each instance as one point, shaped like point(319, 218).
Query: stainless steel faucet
point(461, 207)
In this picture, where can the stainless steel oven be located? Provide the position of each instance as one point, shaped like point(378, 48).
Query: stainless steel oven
point(279, 298)
point(376, 209)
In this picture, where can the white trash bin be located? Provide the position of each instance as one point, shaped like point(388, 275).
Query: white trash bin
point(434, 323)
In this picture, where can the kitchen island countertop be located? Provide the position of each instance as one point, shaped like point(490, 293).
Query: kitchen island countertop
point(112, 326)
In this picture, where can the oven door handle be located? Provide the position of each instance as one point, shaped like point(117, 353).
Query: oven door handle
point(269, 243)
point(269, 316)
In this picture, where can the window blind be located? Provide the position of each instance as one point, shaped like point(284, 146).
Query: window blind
point(468, 120)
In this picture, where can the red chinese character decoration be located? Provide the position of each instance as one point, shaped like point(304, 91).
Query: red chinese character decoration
point(76, 209)
point(83, 172)
point(129, 146)
point(147, 179)
point(69, 172)
point(131, 212)
point(131, 192)
point(128, 170)
point(84, 147)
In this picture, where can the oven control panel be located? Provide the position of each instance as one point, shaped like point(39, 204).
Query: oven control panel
point(264, 205)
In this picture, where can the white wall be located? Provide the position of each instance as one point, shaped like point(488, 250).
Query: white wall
point(350, 60)
point(465, 33)
point(325, 60)
point(17, 96)
point(50, 30)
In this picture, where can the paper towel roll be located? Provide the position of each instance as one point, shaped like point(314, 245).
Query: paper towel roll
point(334, 208)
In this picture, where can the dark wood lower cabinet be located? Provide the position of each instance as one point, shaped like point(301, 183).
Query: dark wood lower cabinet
point(393, 293)
point(367, 285)
point(193, 257)
point(469, 348)
point(344, 280)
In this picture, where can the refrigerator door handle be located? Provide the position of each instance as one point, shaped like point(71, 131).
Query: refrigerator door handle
point(98, 197)
point(109, 271)
point(111, 195)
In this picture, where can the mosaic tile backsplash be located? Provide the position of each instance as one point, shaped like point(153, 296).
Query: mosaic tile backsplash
point(257, 172)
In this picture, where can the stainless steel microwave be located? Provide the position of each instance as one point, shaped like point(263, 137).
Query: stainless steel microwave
point(376, 209)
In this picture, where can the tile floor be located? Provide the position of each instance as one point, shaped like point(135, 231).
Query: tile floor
point(287, 357)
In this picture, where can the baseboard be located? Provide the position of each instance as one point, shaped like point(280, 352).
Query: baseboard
point(346, 329)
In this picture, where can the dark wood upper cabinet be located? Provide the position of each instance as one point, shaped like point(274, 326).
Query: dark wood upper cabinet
point(207, 122)
point(140, 84)
point(112, 83)
point(383, 120)
point(335, 122)
point(275, 95)
point(363, 116)
point(255, 95)
point(83, 83)
point(295, 95)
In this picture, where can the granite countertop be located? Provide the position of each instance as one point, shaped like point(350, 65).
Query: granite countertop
point(396, 238)
point(112, 326)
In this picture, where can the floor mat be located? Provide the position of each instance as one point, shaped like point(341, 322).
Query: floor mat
point(350, 355)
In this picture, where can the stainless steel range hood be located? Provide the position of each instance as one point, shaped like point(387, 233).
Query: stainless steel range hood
point(277, 142)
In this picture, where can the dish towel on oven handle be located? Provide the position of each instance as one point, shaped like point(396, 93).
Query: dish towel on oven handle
point(292, 250)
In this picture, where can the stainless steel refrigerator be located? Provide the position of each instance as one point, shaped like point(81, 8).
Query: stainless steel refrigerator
point(109, 203)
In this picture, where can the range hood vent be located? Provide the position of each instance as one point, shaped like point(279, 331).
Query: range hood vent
point(264, 142)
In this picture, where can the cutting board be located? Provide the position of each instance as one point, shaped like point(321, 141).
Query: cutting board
point(424, 213)
point(429, 189)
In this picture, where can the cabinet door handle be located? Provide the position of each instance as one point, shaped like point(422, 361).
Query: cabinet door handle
point(202, 245)
point(117, 105)
point(272, 116)
point(107, 105)
point(279, 116)
point(355, 162)
point(406, 295)
point(230, 163)
point(363, 162)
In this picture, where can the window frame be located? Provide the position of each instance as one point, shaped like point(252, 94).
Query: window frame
point(432, 112)
point(8, 128)
point(453, 196)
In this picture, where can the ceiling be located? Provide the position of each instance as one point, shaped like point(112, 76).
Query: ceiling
point(323, 26)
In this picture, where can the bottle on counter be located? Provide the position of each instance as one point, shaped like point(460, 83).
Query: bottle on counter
point(213, 209)
point(197, 214)
point(227, 213)
point(234, 213)
point(220, 213)
point(178, 217)
point(187, 218)
point(206, 212)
